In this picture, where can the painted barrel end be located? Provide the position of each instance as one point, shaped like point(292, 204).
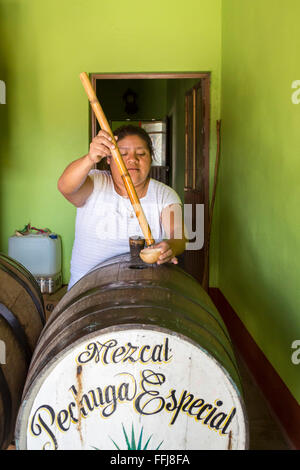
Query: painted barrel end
point(133, 354)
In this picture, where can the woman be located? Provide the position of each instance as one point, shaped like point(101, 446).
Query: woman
point(105, 218)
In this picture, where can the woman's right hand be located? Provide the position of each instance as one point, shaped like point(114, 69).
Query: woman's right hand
point(100, 147)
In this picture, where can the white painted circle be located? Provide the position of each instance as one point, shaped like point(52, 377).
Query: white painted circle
point(121, 380)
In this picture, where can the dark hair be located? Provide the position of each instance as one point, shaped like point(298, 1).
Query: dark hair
point(129, 129)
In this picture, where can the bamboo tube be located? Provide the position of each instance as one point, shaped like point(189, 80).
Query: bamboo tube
point(118, 159)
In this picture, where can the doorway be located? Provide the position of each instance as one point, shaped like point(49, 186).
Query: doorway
point(158, 101)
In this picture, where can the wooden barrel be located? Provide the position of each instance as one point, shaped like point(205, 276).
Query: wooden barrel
point(133, 358)
point(21, 321)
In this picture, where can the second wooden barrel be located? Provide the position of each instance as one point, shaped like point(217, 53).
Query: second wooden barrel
point(133, 357)
point(21, 321)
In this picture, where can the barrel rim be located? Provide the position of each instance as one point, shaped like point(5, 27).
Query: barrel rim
point(142, 284)
point(28, 288)
point(94, 311)
point(13, 262)
point(6, 430)
point(35, 386)
point(126, 258)
point(130, 287)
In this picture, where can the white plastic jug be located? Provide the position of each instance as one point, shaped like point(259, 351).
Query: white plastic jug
point(39, 253)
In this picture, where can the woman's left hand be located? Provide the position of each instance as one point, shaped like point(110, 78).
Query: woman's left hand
point(167, 255)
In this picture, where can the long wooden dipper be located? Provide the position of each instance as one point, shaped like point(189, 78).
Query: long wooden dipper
point(118, 159)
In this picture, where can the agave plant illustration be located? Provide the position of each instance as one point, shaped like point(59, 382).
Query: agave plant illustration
point(133, 445)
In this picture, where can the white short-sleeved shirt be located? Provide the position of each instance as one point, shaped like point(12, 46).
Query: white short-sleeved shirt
point(107, 220)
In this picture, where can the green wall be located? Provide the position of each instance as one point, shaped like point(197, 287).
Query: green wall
point(44, 126)
point(259, 193)
point(44, 47)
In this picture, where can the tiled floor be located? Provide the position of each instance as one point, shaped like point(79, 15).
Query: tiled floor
point(264, 431)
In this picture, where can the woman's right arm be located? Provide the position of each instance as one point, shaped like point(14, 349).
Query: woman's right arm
point(75, 184)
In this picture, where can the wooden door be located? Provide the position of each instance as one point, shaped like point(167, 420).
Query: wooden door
point(196, 176)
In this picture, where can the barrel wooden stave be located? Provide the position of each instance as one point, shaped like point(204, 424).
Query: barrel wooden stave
point(92, 321)
point(114, 282)
point(21, 321)
point(20, 301)
point(115, 297)
point(119, 270)
point(14, 373)
point(26, 275)
point(130, 295)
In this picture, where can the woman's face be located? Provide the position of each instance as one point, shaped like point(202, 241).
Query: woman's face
point(137, 159)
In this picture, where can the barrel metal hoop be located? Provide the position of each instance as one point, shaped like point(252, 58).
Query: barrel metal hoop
point(103, 308)
point(133, 284)
point(28, 290)
point(92, 327)
point(25, 272)
point(18, 331)
point(7, 406)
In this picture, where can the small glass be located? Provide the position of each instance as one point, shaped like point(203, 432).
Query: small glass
point(136, 244)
